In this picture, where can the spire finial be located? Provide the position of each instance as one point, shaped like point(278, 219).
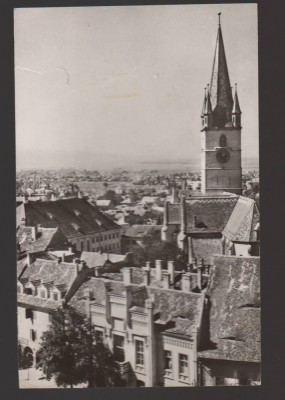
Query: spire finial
point(235, 87)
point(219, 14)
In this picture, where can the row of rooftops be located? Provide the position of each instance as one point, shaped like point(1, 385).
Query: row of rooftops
point(236, 217)
point(231, 293)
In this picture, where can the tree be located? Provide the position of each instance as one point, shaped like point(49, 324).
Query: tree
point(70, 355)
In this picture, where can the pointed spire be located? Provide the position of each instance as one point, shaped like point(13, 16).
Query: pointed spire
point(204, 103)
point(236, 107)
point(220, 87)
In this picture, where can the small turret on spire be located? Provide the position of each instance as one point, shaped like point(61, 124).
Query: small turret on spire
point(204, 103)
point(236, 112)
point(207, 123)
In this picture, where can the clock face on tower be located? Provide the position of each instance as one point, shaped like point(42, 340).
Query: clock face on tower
point(223, 155)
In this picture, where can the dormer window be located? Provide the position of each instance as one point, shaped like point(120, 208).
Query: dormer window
point(42, 293)
point(50, 215)
point(55, 296)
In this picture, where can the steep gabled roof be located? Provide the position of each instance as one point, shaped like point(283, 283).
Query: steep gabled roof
point(243, 221)
point(43, 241)
point(76, 217)
point(208, 214)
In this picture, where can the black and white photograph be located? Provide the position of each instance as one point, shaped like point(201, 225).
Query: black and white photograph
point(137, 196)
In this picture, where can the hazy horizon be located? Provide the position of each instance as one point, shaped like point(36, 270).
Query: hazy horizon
point(111, 86)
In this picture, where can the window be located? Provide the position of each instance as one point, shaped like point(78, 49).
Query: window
point(93, 240)
point(97, 239)
point(139, 352)
point(109, 236)
point(183, 366)
point(98, 336)
point(167, 360)
point(19, 289)
point(33, 335)
point(28, 291)
point(55, 296)
point(113, 236)
point(29, 313)
point(105, 237)
point(81, 244)
point(88, 245)
point(119, 352)
point(223, 141)
point(43, 294)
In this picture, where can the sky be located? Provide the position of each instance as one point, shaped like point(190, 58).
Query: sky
point(119, 85)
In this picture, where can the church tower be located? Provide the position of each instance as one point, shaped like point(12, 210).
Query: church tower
point(221, 129)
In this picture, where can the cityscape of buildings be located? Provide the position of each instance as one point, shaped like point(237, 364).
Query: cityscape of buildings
point(165, 265)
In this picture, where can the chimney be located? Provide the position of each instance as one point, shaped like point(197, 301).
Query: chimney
point(53, 197)
point(28, 259)
point(147, 266)
point(146, 277)
point(200, 267)
point(183, 214)
point(158, 269)
point(97, 271)
point(79, 194)
point(63, 257)
point(190, 252)
point(34, 232)
point(186, 282)
point(170, 268)
point(165, 279)
point(76, 263)
point(127, 275)
point(70, 249)
point(58, 260)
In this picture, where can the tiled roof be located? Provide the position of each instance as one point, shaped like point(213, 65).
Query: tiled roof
point(95, 259)
point(28, 300)
point(48, 270)
point(183, 328)
point(234, 293)
point(208, 214)
point(242, 222)
point(74, 216)
point(135, 231)
point(206, 248)
point(43, 240)
point(96, 286)
point(235, 351)
point(169, 304)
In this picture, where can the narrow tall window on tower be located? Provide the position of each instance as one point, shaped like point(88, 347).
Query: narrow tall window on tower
point(223, 141)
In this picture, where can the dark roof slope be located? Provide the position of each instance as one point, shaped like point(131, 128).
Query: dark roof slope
point(208, 214)
point(74, 216)
point(234, 293)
